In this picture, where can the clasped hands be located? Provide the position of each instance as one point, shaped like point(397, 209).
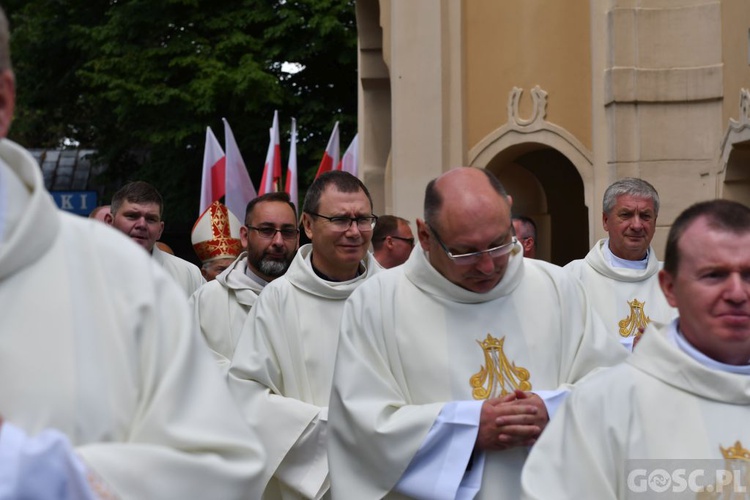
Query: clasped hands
point(516, 419)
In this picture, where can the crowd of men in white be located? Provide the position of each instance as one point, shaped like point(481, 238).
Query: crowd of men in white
point(468, 371)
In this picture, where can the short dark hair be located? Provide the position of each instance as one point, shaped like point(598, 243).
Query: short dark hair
point(631, 186)
point(387, 225)
point(433, 201)
point(279, 196)
point(342, 181)
point(723, 215)
point(136, 192)
point(528, 223)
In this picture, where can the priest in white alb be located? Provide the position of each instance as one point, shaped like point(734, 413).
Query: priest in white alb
point(620, 273)
point(136, 211)
point(449, 365)
point(662, 423)
point(106, 388)
point(268, 241)
point(282, 367)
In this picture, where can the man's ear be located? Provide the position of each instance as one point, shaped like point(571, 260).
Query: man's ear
point(109, 219)
point(244, 239)
point(424, 235)
point(666, 282)
point(307, 225)
point(528, 243)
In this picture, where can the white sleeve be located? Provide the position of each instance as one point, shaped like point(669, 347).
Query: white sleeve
point(305, 465)
point(43, 466)
point(441, 467)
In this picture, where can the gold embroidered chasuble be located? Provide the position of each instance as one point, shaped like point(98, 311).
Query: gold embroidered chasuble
point(625, 299)
point(659, 404)
point(412, 341)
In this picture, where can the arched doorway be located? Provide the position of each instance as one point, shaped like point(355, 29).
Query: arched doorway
point(737, 176)
point(546, 186)
point(549, 173)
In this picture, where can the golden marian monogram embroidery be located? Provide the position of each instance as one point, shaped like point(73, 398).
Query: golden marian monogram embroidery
point(736, 452)
point(733, 483)
point(636, 321)
point(498, 376)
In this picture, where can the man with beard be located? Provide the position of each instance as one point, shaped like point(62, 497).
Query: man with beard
point(282, 367)
point(269, 241)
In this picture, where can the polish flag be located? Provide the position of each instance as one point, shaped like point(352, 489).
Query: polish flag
point(239, 187)
point(272, 169)
point(350, 160)
point(331, 155)
point(214, 163)
point(291, 169)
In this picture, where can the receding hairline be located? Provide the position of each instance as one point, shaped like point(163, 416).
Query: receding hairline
point(287, 204)
point(434, 196)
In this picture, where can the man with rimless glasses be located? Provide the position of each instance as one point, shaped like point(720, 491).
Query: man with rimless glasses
point(450, 365)
point(269, 241)
point(283, 365)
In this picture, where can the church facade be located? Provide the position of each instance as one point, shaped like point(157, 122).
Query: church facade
point(558, 99)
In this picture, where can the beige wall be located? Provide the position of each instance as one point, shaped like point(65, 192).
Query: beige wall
point(735, 20)
point(641, 88)
point(524, 43)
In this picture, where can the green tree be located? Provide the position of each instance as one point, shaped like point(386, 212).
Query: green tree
point(139, 81)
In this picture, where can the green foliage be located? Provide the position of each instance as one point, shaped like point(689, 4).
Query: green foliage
point(139, 81)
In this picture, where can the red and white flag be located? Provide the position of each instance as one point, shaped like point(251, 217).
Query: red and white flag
point(272, 169)
point(239, 187)
point(213, 186)
point(291, 169)
point(350, 160)
point(331, 155)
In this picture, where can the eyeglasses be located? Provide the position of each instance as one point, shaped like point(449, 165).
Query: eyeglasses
point(269, 233)
point(474, 257)
point(341, 223)
point(410, 241)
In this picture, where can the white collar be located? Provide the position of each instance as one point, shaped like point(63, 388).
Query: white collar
point(616, 261)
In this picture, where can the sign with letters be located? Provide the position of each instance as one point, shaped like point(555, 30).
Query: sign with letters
point(77, 202)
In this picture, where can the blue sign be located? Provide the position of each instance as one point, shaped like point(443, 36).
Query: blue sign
point(77, 202)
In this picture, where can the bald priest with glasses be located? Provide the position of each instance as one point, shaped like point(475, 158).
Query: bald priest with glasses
point(449, 366)
point(282, 367)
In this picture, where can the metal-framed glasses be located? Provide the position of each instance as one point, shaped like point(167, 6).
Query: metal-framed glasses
point(474, 257)
point(343, 223)
point(269, 232)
